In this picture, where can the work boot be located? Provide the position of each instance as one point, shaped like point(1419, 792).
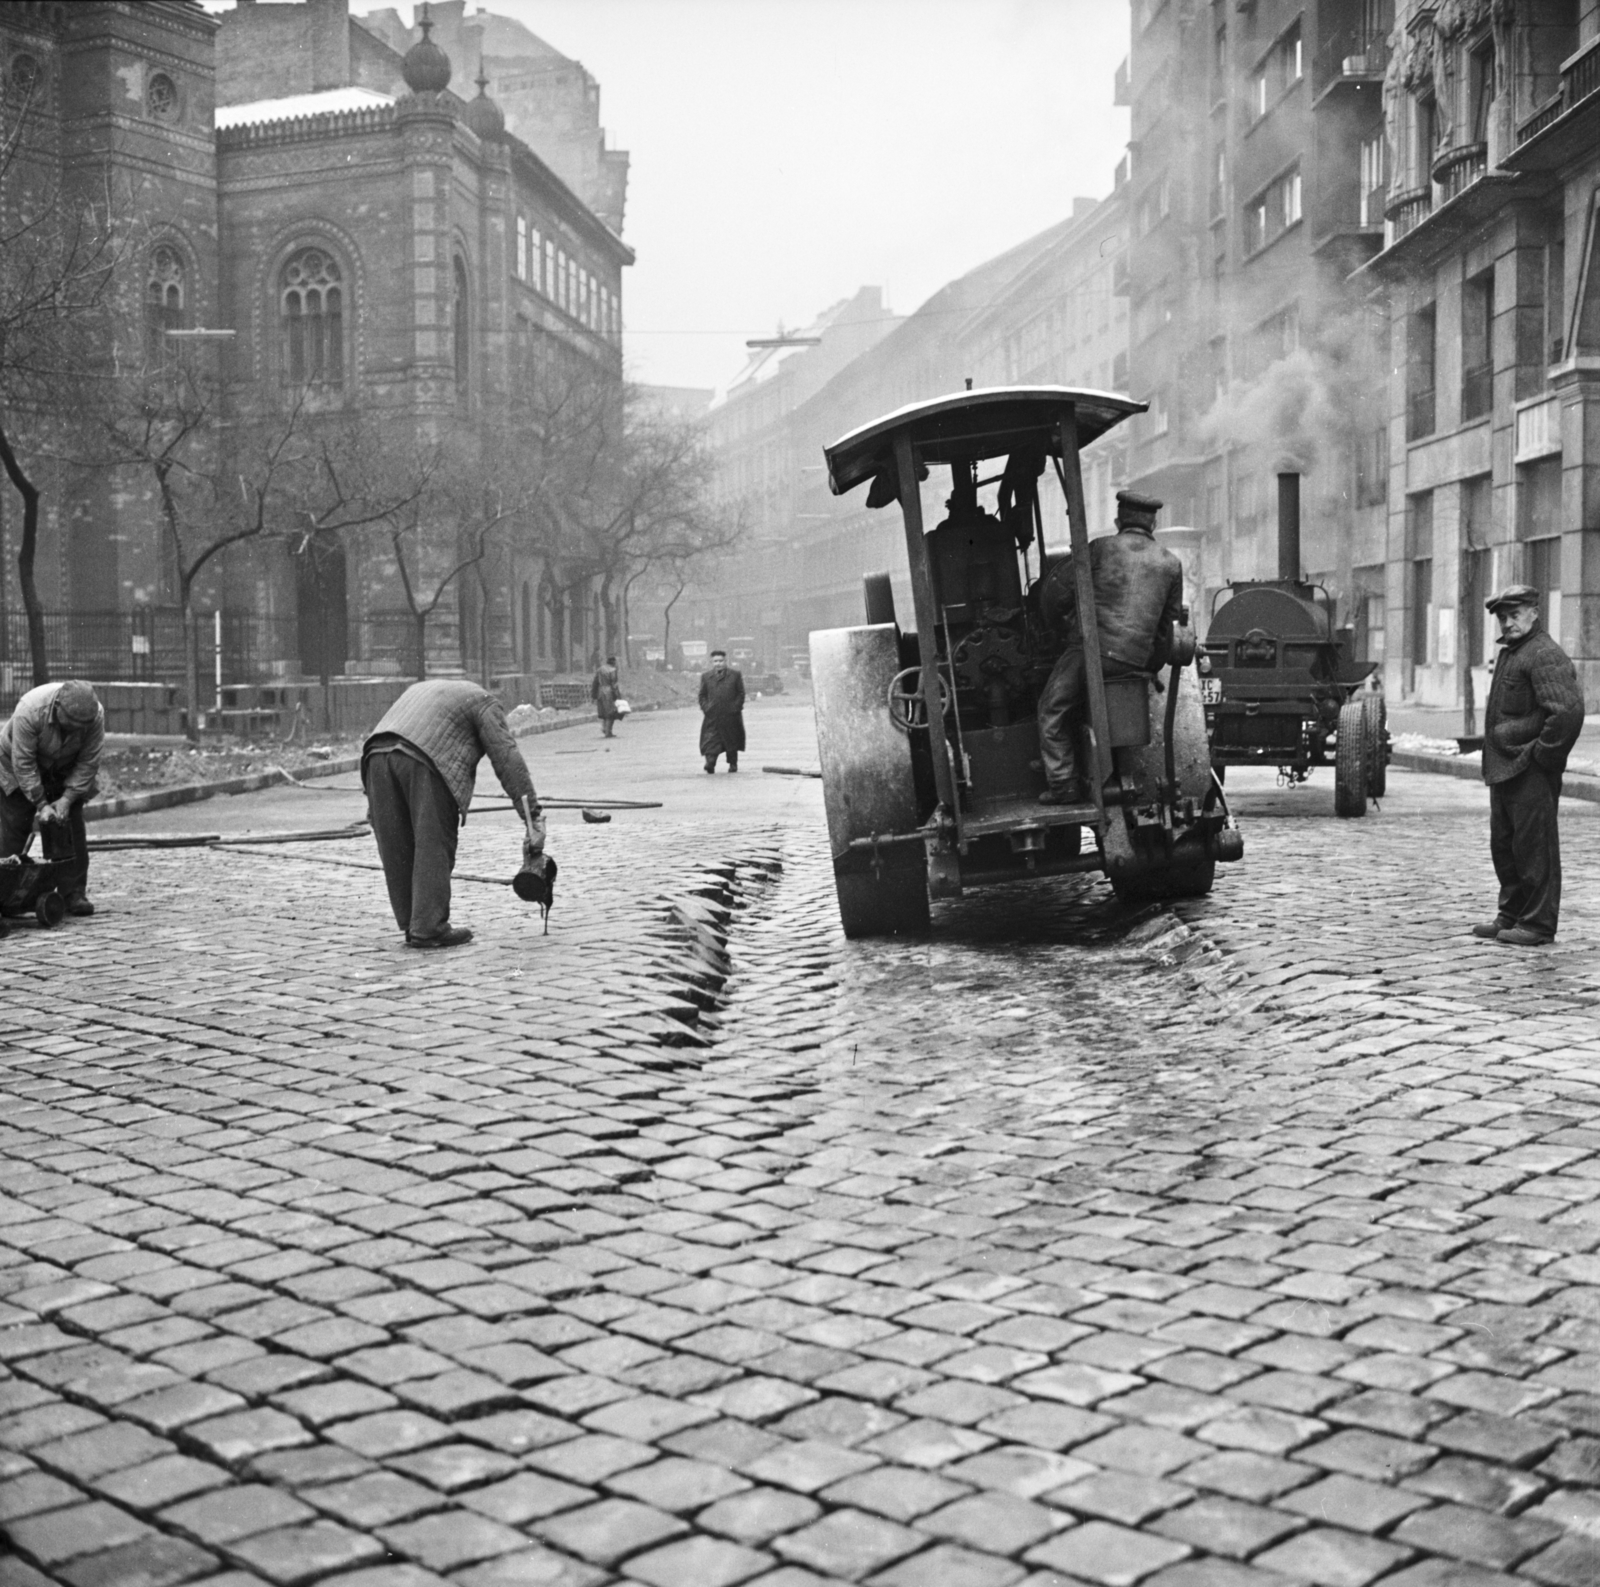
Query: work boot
point(733, 763)
point(78, 904)
point(1489, 930)
point(711, 768)
point(1067, 793)
point(1525, 937)
point(445, 937)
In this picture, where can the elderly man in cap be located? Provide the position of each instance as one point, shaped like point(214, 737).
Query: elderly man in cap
point(418, 769)
point(1138, 601)
point(1533, 719)
point(49, 765)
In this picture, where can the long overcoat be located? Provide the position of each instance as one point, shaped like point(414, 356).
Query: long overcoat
point(722, 705)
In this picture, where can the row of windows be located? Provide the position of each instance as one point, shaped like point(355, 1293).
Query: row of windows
point(1282, 68)
point(1272, 212)
point(551, 271)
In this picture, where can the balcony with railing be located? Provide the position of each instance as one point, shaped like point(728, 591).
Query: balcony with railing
point(1580, 83)
point(1351, 54)
point(1408, 210)
point(1456, 169)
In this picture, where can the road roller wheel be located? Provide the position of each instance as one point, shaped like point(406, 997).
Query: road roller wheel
point(50, 910)
point(1375, 725)
point(890, 902)
point(1154, 887)
point(1350, 769)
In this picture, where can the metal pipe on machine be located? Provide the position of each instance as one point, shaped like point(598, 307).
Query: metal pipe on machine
point(1289, 527)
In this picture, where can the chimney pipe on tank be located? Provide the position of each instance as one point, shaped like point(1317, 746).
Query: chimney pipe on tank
point(1289, 527)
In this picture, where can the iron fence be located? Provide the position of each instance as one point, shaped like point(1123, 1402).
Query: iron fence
point(145, 645)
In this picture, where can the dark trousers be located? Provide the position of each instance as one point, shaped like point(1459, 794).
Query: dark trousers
point(1526, 848)
point(415, 821)
point(733, 759)
point(69, 844)
point(1062, 702)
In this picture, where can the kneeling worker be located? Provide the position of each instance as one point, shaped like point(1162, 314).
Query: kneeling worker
point(49, 765)
point(418, 769)
point(1138, 601)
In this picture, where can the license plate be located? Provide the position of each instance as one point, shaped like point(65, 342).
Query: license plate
point(1210, 690)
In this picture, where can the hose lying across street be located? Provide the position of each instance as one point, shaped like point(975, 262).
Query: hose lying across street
point(355, 829)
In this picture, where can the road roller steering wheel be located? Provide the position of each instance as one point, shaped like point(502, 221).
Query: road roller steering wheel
point(907, 708)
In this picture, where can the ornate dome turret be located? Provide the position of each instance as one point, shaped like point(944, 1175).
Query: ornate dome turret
point(426, 68)
point(483, 115)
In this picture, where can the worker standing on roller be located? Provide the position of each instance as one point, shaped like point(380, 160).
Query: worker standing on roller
point(49, 767)
point(418, 769)
point(1138, 602)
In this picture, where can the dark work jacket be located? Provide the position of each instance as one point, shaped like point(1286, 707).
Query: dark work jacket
point(1535, 709)
point(1138, 598)
point(722, 701)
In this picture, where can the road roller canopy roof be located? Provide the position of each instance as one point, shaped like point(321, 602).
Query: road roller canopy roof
point(993, 421)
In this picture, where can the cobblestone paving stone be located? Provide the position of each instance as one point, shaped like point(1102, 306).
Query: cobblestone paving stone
point(691, 1246)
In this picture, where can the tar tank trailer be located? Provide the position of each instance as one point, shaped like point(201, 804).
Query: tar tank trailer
point(1279, 684)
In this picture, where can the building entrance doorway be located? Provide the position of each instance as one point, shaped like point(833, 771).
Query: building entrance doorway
point(321, 587)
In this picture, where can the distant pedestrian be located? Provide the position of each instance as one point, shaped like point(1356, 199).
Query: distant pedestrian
point(418, 768)
point(1533, 718)
point(49, 767)
point(722, 709)
point(605, 688)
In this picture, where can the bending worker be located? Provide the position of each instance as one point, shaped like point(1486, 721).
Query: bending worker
point(1138, 600)
point(418, 769)
point(49, 766)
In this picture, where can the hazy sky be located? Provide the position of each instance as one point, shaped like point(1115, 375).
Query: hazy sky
point(786, 152)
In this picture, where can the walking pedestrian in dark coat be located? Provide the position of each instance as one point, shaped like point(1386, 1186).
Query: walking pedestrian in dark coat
point(722, 708)
point(418, 768)
point(1533, 719)
point(605, 688)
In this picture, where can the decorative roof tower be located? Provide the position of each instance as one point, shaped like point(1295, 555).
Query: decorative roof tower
point(426, 68)
point(483, 115)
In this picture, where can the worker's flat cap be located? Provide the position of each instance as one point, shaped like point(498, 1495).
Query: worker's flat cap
point(1513, 595)
point(1136, 508)
point(76, 703)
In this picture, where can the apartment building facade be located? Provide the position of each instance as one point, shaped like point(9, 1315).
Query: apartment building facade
point(1492, 273)
point(1051, 310)
point(1257, 176)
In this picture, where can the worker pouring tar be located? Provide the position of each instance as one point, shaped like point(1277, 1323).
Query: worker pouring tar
point(418, 768)
point(1138, 598)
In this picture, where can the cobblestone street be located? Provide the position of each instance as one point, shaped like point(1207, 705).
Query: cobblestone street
point(1247, 1243)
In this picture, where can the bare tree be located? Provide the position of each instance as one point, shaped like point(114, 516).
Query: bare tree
point(57, 264)
point(630, 486)
point(223, 479)
point(474, 487)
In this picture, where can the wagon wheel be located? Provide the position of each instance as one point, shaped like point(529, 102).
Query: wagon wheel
point(50, 910)
point(1350, 768)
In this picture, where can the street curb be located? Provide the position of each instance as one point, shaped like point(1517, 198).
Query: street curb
point(138, 804)
point(1470, 767)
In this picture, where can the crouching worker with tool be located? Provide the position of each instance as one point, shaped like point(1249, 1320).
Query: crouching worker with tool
point(418, 769)
point(49, 765)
